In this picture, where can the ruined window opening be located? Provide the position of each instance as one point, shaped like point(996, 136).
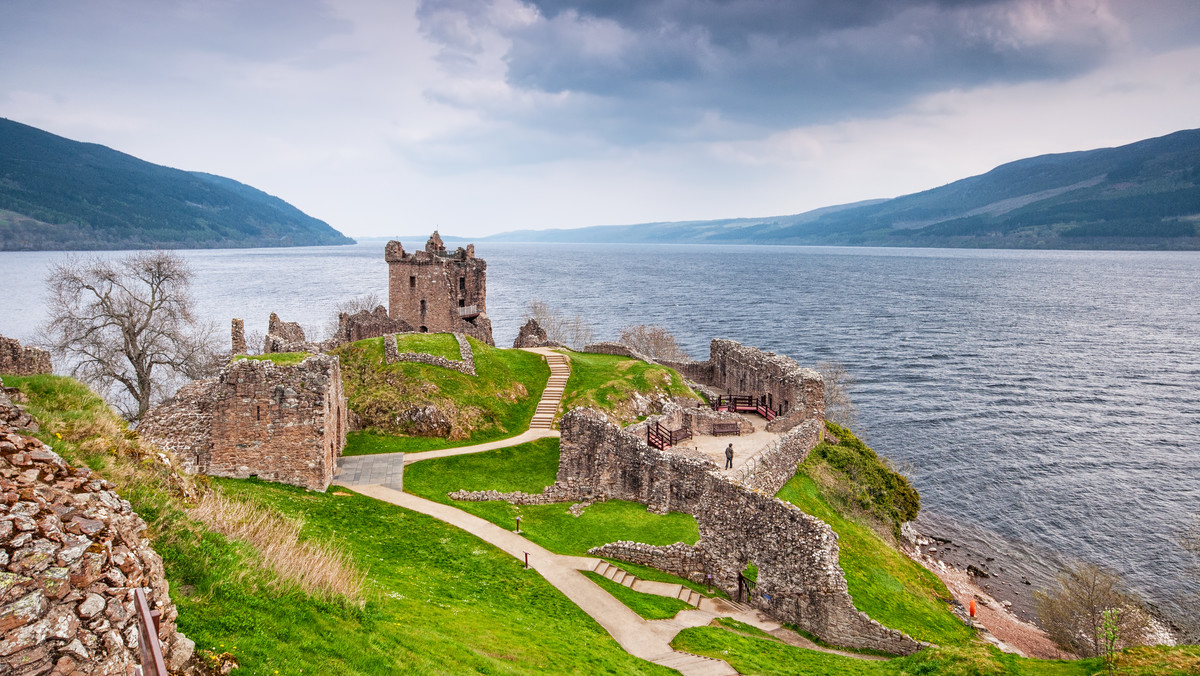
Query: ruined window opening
point(422, 307)
point(258, 412)
point(424, 329)
point(462, 302)
point(462, 283)
point(412, 282)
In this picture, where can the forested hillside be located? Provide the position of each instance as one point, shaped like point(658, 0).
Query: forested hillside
point(56, 193)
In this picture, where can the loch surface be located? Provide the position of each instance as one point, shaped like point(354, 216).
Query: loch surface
point(1052, 398)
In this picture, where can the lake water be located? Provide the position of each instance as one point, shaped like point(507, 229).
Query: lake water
point(1048, 398)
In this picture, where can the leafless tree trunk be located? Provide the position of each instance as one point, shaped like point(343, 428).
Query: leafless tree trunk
point(838, 406)
point(574, 332)
point(1073, 615)
point(127, 325)
point(653, 341)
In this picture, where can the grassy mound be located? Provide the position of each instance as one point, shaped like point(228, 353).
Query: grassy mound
point(609, 383)
point(865, 482)
point(496, 403)
point(530, 468)
point(437, 599)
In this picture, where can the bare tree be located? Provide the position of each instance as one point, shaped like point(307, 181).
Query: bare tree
point(838, 406)
point(1074, 614)
point(653, 341)
point(127, 325)
point(367, 301)
point(574, 332)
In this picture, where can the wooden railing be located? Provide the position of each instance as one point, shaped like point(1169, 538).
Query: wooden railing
point(745, 403)
point(662, 438)
point(468, 311)
point(148, 645)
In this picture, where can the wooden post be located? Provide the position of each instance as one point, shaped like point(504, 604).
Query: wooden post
point(149, 647)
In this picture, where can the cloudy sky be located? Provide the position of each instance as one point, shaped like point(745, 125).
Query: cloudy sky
point(478, 116)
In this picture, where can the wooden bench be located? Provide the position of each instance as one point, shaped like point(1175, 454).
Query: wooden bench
point(720, 428)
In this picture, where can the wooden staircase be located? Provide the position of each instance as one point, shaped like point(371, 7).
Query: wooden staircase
point(547, 408)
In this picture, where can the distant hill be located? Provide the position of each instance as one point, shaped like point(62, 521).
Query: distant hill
point(59, 194)
point(1144, 195)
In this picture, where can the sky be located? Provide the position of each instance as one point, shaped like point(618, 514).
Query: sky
point(481, 116)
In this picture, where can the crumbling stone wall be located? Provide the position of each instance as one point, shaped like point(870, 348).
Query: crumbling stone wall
point(773, 466)
point(16, 360)
point(237, 336)
point(798, 393)
point(279, 423)
point(799, 579)
point(436, 291)
point(612, 347)
point(73, 553)
point(363, 324)
point(286, 337)
point(531, 335)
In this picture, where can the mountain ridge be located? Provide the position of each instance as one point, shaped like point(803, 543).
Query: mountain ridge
point(1143, 195)
point(60, 194)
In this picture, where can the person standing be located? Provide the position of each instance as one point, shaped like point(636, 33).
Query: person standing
point(729, 456)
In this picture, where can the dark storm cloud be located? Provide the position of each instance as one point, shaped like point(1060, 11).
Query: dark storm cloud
point(661, 64)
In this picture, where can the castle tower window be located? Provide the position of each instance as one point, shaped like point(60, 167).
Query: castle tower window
point(424, 329)
point(462, 284)
point(462, 302)
point(422, 307)
point(412, 282)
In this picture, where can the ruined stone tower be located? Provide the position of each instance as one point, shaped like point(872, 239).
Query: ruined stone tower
point(437, 291)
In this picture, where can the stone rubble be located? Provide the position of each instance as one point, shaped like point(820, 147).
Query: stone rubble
point(71, 554)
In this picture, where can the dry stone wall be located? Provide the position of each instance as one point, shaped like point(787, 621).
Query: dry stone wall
point(773, 466)
point(799, 579)
point(72, 552)
point(620, 349)
point(279, 423)
point(392, 354)
point(16, 360)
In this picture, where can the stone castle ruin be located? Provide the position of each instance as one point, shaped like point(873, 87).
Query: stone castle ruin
point(797, 393)
point(258, 419)
point(16, 360)
point(436, 291)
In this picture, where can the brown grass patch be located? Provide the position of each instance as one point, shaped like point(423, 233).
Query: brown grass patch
point(320, 570)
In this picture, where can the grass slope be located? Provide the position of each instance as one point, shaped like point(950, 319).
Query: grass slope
point(530, 468)
point(279, 358)
point(442, 601)
point(608, 383)
point(759, 656)
point(649, 606)
point(496, 403)
point(884, 583)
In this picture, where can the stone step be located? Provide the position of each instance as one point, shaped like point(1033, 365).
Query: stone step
point(695, 665)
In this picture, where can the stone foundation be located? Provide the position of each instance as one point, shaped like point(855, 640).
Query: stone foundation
point(392, 354)
point(279, 423)
point(16, 360)
point(362, 325)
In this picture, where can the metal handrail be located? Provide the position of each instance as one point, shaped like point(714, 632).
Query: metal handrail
point(149, 647)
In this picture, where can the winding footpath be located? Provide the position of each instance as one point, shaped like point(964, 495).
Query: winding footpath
point(380, 477)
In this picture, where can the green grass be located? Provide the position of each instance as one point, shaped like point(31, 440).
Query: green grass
point(885, 584)
point(437, 344)
point(441, 600)
point(280, 358)
point(649, 606)
point(761, 656)
point(607, 383)
point(530, 468)
point(656, 575)
point(495, 404)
